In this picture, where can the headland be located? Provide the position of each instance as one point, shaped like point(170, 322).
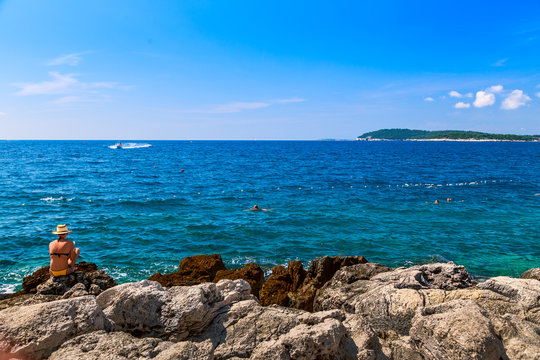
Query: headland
point(442, 135)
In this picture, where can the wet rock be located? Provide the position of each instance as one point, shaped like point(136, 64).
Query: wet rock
point(193, 270)
point(458, 329)
point(147, 309)
point(319, 272)
point(119, 345)
point(31, 282)
point(252, 273)
point(35, 331)
point(279, 287)
point(531, 274)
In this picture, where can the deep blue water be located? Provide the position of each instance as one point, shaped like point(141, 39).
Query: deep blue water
point(133, 212)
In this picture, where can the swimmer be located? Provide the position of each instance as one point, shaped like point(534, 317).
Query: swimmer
point(436, 201)
point(448, 199)
point(256, 208)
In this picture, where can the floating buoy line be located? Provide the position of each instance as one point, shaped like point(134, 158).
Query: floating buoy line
point(292, 189)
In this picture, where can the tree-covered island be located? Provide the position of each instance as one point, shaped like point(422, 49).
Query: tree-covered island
point(460, 135)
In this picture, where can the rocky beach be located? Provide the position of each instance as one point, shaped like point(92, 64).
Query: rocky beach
point(339, 308)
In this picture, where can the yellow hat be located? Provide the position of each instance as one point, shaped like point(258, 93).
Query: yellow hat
point(61, 229)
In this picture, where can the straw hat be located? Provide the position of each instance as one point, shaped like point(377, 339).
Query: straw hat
point(61, 229)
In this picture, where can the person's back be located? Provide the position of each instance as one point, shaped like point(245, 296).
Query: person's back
point(62, 253)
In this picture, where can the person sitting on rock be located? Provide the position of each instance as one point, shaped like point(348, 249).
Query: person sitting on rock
point(63, 253)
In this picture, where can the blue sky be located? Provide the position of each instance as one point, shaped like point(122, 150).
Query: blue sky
point(274, 70)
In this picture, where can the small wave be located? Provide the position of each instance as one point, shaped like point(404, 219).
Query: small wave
point(7, 288)
point(130, 146)
point(51, 199)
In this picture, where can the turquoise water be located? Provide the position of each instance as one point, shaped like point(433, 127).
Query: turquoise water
point(134, 212)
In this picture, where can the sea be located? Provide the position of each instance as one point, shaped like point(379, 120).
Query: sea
point(139, 210)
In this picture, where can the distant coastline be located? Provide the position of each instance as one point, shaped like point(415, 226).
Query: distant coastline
point(444, 135)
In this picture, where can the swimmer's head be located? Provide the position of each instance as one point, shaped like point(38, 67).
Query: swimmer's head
point(436, 201)
point(255, 206)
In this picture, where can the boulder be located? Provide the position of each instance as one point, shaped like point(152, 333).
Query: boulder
point(35, 331)
point(512, 296)
point(531, 274)
point(119, 346)
point(193, 270)
point(319, 272)
point(249, 330)
point(335, 293)
point(252, 273)
point(389, 299)
point(279, 287)
point(147, 309)
point(458, 329)
point(31, 282)
point(445, 276)
point(62, 284)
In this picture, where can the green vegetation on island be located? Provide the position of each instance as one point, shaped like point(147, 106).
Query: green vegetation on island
point(408, 134)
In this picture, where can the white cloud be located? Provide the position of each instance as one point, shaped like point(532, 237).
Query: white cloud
point(495, 89)
point(429, 99)
point(469, 95)
point(484, 99)
point(462, 105)
point(516, 99)
point(69, 59)
point(500, 62)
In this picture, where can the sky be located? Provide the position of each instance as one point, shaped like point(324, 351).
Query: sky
point(279, 70)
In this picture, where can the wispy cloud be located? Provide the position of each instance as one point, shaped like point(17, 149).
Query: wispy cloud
point(500, 62)
point(290, 101)
point(60, 84)
point(69, 59)
point(235, 107)
point(71, 87)
point(538, 94)
point(462, 105)
point(495, 89)
point(456, 94)
point(2, 114)
point(515, 100)
point(429, 99)
point(238, 106)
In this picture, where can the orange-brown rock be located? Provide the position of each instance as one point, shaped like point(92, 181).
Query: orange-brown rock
point(319, 272)
point(193, 270)
point(252, 273)
point(282, 283)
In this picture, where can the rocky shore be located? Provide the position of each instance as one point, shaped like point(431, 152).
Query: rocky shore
point(339, 308)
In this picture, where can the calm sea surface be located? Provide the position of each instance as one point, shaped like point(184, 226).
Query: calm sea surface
point(134, 212)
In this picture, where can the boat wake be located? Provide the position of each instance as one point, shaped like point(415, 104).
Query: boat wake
point(129, 146)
